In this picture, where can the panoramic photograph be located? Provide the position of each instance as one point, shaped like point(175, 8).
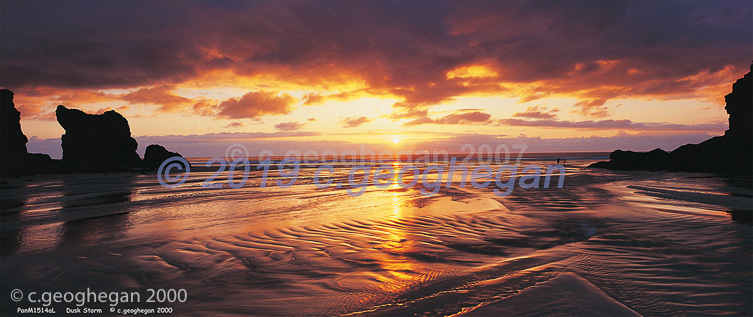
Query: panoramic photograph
point(376, 158)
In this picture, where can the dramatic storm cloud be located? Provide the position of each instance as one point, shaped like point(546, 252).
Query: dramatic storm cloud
point(598, 49)
point(397, 65)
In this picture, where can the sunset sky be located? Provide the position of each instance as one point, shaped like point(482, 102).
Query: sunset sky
point(556, 76)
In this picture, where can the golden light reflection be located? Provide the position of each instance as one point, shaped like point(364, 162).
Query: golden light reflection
point(474, 71)
point(397, 196)
point(271, 78)
point(396, 201)
point(401, 272)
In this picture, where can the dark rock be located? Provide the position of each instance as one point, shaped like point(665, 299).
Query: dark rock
point(739, 107)
point(729, 154)
point(91, 143)
point(12, 139)
point(723, 154)
point(97, 143)
point(14, 160)
point(657, 159)
point(156, 154)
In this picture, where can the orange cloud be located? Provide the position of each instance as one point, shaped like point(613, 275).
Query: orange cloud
point(289, 126)
point(36, 112)
point(77, 97)
point(316, 98)
point(537, 112)
point(474, 117)
point(352, 122)
point(715, 127)
point(408, 114)
point(592, 108)
point(204, 107)
point(103, 110)
point(234, 124)
point(256, 104)
point(474, 71)
point(161, 95)
point(529, 50)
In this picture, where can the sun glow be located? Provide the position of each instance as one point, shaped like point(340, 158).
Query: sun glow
point(396, 140)
point(474, 71)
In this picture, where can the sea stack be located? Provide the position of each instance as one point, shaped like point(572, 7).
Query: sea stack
point(97, 143)
point(12, 139)
point(91, 143)
point(740, 109)
point(155, 154)
point(14, 158)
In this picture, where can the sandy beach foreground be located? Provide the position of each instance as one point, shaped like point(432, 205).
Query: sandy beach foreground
point(607, 243)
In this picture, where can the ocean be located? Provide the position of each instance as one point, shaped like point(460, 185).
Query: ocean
point(608, 243)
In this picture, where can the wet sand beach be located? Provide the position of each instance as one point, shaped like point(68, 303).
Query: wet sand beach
point(607, 243)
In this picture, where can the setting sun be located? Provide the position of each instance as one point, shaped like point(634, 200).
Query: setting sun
point(396, 140)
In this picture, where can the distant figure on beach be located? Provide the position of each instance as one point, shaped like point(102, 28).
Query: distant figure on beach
point(558, 161)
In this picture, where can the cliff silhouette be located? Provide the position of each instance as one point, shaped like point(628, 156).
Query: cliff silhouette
point(730, 154)
point(91, 144)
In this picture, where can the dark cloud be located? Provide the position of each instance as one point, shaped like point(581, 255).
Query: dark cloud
point(591, 50)
point(96, 45)
point(548, 40)
point(256, 104)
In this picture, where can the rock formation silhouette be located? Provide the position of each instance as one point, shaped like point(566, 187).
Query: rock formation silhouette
point(739, 108)
point(91, 143)
point(12, 138)
point(730, 154)
point(155, 154)
point(14, 158)
point(97, 142)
